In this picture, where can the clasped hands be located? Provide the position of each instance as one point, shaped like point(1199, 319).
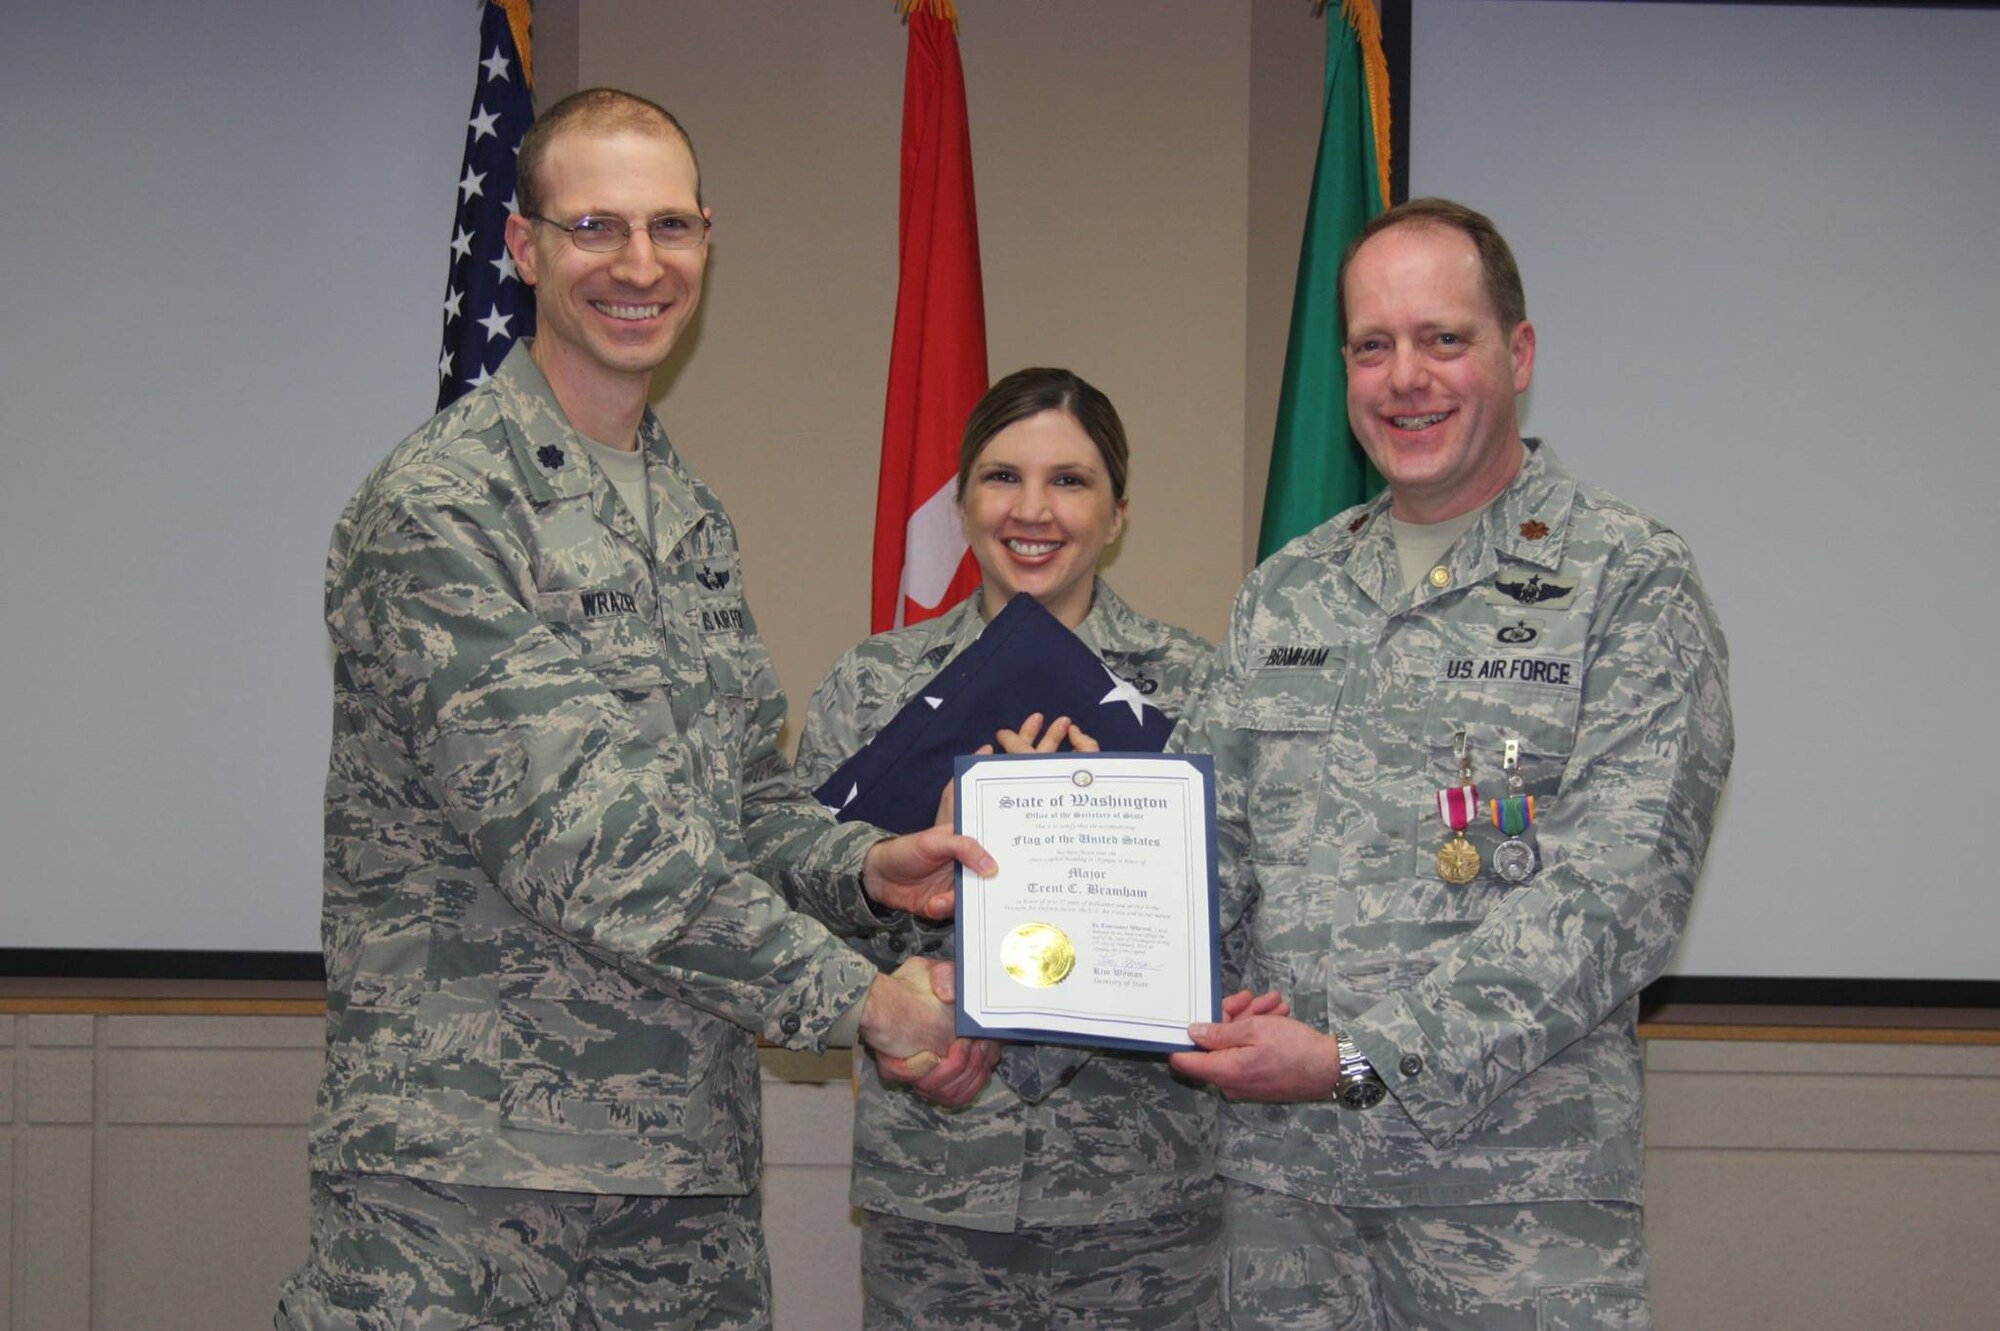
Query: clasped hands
point(908, 1020)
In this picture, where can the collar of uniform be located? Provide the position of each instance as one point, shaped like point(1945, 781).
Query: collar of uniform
point(958, 628)
point(611, 510)
point(551, 456)
point(1529, 522)
point(546, 449)
point(677, 509)
point(1369, 543)
point(1525, 523)
point(1111, 626)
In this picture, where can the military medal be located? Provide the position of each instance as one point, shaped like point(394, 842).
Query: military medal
point(1038, 955)
point(1514, 858)
point(1458, 859)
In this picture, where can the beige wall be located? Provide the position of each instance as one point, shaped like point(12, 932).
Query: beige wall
point(1120, 179)
point(152, 1178)
point(1287, 77)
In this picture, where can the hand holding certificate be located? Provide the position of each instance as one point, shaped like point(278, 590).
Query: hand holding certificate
point(1100, 926)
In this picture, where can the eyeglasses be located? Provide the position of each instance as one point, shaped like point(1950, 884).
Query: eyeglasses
point(604, 234)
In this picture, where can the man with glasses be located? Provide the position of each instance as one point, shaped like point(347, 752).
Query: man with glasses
point(560, 837)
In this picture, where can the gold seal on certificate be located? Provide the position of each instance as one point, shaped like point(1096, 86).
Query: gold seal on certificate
point(1039, 955)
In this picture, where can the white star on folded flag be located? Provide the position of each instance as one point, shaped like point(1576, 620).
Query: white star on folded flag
point(1024, 661)
point(1125, 693)
point(482, 273)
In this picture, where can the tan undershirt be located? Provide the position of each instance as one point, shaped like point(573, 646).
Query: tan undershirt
point(1420, 546)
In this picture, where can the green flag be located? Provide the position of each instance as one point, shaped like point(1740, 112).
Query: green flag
point(1317, 469)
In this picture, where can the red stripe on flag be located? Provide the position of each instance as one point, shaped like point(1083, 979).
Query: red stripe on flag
point(937, 362)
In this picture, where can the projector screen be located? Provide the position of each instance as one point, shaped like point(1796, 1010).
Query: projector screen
point(1761, 257)
point(216, 323)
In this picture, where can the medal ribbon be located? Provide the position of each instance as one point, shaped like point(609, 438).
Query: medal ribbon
point(1456, 805)
point(1513, 814)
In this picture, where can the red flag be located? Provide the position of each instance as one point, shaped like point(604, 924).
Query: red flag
point(937, 363)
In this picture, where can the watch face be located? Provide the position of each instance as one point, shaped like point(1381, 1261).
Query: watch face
point(1362, 1093)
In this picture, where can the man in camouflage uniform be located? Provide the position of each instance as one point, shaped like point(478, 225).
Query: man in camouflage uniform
point(1074, 1181)
point(555, 812)
point(1489, 604)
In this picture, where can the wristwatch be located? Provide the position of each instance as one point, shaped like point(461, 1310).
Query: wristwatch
point(1358, 1087)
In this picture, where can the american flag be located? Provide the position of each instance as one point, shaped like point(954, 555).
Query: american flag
point(486, 305)
point(1023, 661)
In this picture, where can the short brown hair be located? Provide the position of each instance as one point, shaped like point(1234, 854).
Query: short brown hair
point(1031, 392)
point(592, 111)
point(1502, 276)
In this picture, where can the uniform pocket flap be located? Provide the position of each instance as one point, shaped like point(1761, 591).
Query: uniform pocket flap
point(1542, 721)
point(610, 632)
point(1294, 704)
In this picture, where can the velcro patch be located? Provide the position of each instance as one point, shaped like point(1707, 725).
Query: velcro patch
point(596, 605)
point(1294, 656)
point(1515, 586)
point(1548, 671)
point(722, 619)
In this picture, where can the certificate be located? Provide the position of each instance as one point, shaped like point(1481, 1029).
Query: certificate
point(1100, 926)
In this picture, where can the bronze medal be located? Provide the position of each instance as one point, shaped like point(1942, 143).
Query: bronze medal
point(1458, 861)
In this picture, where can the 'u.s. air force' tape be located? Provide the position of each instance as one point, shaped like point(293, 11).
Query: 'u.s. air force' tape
point(1551, 672)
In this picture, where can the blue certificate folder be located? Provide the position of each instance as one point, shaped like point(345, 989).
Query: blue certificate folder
point(1133, 1030)
point(1024, 661)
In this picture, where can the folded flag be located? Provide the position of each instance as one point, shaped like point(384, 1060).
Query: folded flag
point(1024, 662)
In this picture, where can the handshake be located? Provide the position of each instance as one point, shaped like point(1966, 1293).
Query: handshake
point(908, 1020)
point(908, 1023)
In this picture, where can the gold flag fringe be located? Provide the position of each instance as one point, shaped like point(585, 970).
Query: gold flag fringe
point(938, 9)
point(1367, 24)
point(520, 21)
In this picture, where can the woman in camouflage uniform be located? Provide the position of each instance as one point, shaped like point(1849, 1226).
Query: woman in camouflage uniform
point(1077, 1189)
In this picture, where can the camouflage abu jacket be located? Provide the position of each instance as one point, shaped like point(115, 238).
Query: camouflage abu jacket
point(554, 784)
point(1501, 1016)
point(1117, 1137)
